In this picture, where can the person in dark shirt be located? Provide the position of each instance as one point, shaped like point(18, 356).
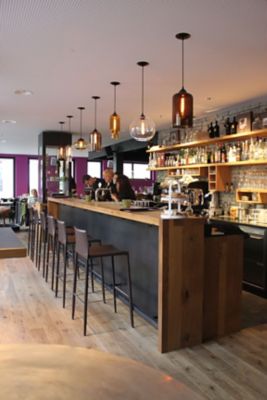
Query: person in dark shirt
point(72, 186)
point(90, 185)
point(124, 189)
point(108, 176)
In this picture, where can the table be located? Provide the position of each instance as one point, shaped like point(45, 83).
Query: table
point(62, 372)
point(10, 245)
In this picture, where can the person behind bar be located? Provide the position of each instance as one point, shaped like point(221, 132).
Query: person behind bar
point(108, 176)
point(124, 190)
point(90, 185)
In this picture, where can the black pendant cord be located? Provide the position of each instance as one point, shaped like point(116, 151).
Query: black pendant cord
point(69, 118)
point(95, 114)
point(95, 99)
point(182, 63)
point(81, 118)
point(115, 102)
point(61, 125)
point(142, 64)
point(183, 36)
point(143, 93)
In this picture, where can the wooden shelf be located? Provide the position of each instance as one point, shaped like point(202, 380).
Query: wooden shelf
point(228, 164)
point(200, 143)
point(253, 196)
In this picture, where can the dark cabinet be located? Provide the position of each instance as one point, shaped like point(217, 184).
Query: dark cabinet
point(255, 261)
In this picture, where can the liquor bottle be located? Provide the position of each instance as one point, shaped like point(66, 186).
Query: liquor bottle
point(211, 131)
point(234, 124)
point(227, 126)
point(223, 154)
point(216, 129)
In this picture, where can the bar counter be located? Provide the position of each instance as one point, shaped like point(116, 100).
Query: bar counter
point(167, 263)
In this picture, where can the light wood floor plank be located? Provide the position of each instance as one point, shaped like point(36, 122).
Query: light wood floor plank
point(231, 368)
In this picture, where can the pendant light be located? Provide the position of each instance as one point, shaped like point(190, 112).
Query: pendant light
point(114, 120)
point(68, 148)
point(182, 102)
point(95, 135)
point(143, 128)
point(61, 155)
point(81, 144)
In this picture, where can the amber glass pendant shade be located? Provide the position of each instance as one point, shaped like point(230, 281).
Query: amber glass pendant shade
point(182, 109)
point(143, 128)
point(115, 125)
point(114, 120)
point(182, 102)
point(95, 135)
point(81, 144)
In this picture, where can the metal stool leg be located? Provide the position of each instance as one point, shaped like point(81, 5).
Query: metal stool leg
point(114, 284)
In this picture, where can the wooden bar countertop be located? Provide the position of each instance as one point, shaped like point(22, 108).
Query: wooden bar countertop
point(151, 217)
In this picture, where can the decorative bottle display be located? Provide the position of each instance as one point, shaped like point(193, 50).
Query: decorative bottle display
point(211, 130)
point(216, 129)
point(252, 149)
point(227, 126)
point(234, 124)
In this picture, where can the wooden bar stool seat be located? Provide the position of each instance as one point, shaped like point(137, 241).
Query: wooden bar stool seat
point(87, 254)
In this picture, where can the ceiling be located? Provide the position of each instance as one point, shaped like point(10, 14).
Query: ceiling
point(66, 51)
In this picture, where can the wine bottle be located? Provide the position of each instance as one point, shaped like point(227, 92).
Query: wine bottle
point(234, 124)
point(211, 130)
point(227, 126)
point(216, 129)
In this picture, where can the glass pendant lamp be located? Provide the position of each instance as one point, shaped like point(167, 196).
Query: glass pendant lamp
point(143, 128)
point(114, 121)
point(95, 135)
point(81, 144)
point(68, 148)
point(61, 155)
point(182, 102)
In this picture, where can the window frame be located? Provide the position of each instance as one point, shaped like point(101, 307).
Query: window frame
point(14, 173)
point(132, 170)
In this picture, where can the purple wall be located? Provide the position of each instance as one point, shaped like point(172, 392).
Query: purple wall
point(22, 173)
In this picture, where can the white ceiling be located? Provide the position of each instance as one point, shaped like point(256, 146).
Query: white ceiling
point(66, 51)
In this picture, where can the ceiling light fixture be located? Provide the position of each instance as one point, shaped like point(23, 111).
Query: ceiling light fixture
point(61, 155)
point(95, 135)
point(182, 102)
point(143, 128)
point(80, 144)
point(115, 124)
point(8, 121)
point(23, 92)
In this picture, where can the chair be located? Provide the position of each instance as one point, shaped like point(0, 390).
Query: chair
point(87, 254)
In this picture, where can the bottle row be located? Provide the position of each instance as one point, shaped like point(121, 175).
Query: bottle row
point(253, 149)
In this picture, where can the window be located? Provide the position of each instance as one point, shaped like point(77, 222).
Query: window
point(6, 177)
point(33, 174)
point(136, 171)
point(94, 168)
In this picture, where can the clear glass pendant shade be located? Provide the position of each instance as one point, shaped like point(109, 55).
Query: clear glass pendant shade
point(142, 129)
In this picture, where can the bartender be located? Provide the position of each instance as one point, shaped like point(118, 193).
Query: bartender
point(90, 185)
point(108, 176)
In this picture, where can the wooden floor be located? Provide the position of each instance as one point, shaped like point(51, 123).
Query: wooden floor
point(234, 367)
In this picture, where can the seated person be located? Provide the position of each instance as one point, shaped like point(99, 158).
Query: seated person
point(32, 198)
point(124, 189)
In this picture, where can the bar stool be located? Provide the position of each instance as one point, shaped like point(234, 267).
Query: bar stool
point(30, 232)
point(88, 253)
point(51, 246)
point(66, 243)
point(42, 241)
